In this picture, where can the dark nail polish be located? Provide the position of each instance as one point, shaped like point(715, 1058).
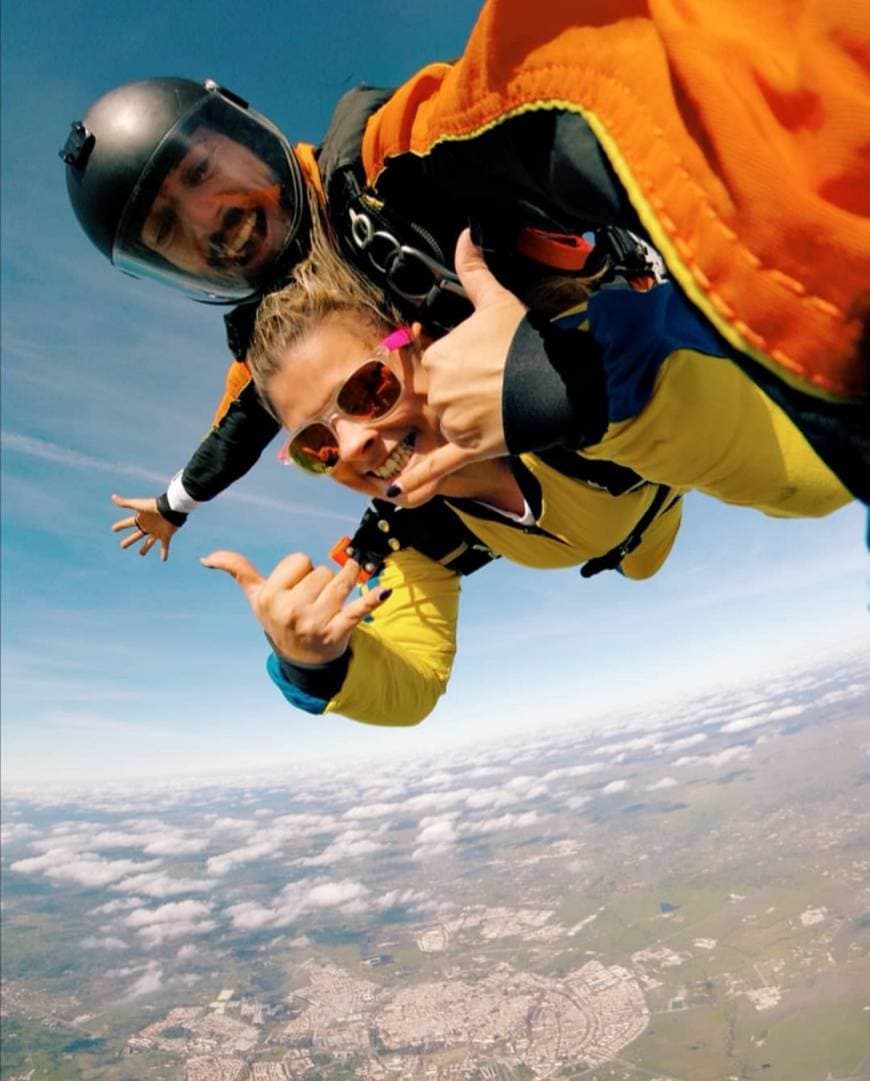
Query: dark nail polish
point(384, 593)
point(393, 491)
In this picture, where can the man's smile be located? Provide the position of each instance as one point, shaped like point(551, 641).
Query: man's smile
point(240, 239)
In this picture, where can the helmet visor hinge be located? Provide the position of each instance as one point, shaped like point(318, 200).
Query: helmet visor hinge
point(216, 88)
point(76, 150)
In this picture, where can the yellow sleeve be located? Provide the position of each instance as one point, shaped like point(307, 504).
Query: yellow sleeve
point(401, 659)
point(708, 426)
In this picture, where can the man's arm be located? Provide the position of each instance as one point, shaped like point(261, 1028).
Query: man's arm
point(241, 430)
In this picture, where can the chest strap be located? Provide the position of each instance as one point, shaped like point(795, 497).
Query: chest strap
point(433, 530)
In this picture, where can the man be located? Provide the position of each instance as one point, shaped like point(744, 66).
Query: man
point(542, 130)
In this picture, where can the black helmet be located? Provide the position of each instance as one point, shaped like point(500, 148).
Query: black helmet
point(182, 182)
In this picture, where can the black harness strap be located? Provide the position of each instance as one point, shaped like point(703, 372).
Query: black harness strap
point(611, 560)
point(604, 475)
point(433, 530)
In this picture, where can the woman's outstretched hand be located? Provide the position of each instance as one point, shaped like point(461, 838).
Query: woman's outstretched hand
point(301, 607)
point(147, 524)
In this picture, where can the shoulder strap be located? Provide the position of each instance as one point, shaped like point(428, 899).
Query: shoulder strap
point(608, 476)
point(611, 560)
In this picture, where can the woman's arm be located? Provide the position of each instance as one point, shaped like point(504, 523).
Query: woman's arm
point(400, 660)
point(383, 658)
point(641, 379)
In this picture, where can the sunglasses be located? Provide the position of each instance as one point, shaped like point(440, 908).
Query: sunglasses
point(369, 393)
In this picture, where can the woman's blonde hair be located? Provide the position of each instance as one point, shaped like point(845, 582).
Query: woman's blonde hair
point(322, 285)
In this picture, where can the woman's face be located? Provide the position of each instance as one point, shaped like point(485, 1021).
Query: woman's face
point(372, 454)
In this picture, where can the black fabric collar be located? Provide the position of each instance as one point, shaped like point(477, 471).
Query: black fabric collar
point(341, 148)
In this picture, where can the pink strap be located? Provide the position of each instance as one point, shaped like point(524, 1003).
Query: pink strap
point(400, 337)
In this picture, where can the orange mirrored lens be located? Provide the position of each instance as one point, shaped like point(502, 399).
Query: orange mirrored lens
point(314, 449)
point(370, 393)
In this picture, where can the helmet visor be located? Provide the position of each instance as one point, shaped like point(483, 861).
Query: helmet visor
point(216, 205)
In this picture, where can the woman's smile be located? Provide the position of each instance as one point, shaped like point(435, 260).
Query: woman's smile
point(396, 460)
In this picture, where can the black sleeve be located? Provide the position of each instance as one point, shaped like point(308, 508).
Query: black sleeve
point(318, 680)
point(554, 391)
point(230, 448)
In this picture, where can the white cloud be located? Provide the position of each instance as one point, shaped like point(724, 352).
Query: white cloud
point(175, 919)
point(148, 983)
point(430, 801)
point(171, 912)
point(640, 743)
point(352, 844)
point(574, 803)
point(730, 754)
point(104, 942)
point(175, 844)
point(371, 810)
point(613, 787)
point(503, 822)
point(251, 916)
point(414, 899)
point(491, 797)
point(573, 771)
point(15, 831)
point(664, 782)
point(742, 724)
point(721, 758)
point(226, 861)
point(436, 835)
point(437, 831)
point(111, 908)
point(88, 869)
point(687, 741)
point(347, 896)
point(228, 824)
point(161, 884)
point(335, 894)
point(787, 711)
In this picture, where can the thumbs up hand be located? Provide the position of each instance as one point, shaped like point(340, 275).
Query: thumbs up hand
point(465, 376)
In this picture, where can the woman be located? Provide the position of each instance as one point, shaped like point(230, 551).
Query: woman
point(346, 380)
point(344, 377)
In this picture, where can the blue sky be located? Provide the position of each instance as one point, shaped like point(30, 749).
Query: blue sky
point(116, 666)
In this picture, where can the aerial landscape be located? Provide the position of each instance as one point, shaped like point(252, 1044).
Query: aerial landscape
point(683, 895)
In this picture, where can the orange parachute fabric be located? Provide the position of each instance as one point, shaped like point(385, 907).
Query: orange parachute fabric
point(741, 132)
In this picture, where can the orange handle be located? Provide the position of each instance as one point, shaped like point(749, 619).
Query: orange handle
point(338, 554)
